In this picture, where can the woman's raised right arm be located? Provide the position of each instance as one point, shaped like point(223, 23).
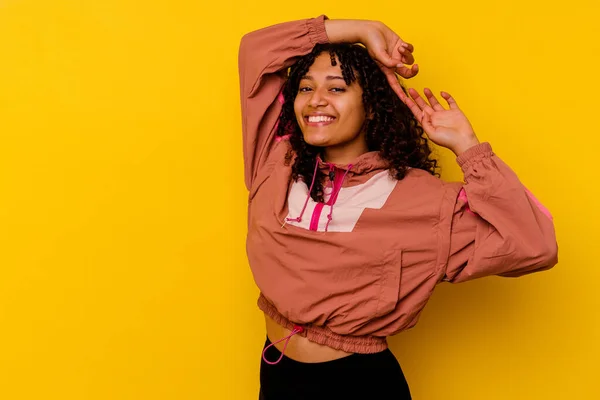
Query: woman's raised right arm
point(264, 56)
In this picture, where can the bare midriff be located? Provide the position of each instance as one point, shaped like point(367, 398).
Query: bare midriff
point(300, 348)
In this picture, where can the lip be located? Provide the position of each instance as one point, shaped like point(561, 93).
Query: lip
point(322, 123)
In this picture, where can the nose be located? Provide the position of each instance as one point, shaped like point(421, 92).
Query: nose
point(318, 99)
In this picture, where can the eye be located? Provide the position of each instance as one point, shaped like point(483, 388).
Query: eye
point(335, 89)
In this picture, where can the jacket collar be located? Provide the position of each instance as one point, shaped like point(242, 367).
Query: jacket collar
point(365, 163)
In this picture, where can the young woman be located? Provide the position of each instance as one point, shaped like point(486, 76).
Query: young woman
point(349, 228)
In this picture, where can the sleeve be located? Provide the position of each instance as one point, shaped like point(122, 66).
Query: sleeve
point(263, 59)
point(496, 226)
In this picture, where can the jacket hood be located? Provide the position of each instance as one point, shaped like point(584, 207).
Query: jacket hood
point(363, 164)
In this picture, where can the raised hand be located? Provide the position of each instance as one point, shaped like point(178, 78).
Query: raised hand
point(390, 52)
point(387, 48)
point(448, 128)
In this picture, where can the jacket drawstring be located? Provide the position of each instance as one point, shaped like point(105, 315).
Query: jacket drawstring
point(299, 218)
point(297, 329)
point(333, 198)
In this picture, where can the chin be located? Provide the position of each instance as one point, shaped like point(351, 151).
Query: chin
point(318, 141)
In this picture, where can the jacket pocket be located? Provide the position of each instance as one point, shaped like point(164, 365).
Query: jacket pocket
point(390, 276)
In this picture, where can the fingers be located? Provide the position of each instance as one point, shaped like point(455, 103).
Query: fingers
point(389, 58)
point(433, 100)
point(401, 54)
point(407, 58)
point(407, 72)
point(418, 99)
point(408, 46)
point(420, 109)
point(398, 90)
point(394, 84)
point(425, 120)
point(405, 50)
point(384, 58)
point(414, 108)
point(450, 100)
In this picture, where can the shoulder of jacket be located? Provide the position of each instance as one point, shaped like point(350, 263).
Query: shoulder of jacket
point(425, 182)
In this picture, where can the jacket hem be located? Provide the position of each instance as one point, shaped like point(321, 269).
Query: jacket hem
point(325, 336)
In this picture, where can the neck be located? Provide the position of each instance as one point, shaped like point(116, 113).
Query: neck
point(345, 154)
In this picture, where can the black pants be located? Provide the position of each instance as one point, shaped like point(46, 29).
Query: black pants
point(355, 377)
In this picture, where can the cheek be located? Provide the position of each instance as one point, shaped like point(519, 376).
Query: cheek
point(355, 112)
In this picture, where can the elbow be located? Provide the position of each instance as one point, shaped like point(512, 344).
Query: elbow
point(547, 251)
point(243, 46)
point(542, 250)
point(540, 257)
point(243, 40)
point(247, 42)
point(550, 257)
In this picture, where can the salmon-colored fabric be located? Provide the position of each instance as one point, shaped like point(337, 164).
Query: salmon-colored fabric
point(372, 272)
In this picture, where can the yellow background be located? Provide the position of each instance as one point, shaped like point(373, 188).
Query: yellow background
point(122, 206)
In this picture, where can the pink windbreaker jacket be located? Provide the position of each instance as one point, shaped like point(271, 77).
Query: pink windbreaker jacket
point(349, 272)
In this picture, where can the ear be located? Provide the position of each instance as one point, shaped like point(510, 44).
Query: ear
point(370, 114)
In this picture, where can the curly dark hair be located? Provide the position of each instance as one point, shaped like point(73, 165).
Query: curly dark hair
point(393, 130)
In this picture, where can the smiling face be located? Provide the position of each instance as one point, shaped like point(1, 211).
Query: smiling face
point(329, 112)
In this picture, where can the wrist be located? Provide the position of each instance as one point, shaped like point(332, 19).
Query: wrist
point(466, 145)
point(345, 30)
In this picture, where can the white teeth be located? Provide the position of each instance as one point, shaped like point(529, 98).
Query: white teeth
point(320, 118)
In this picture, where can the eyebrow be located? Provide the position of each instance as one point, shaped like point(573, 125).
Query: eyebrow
point(328, 77)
